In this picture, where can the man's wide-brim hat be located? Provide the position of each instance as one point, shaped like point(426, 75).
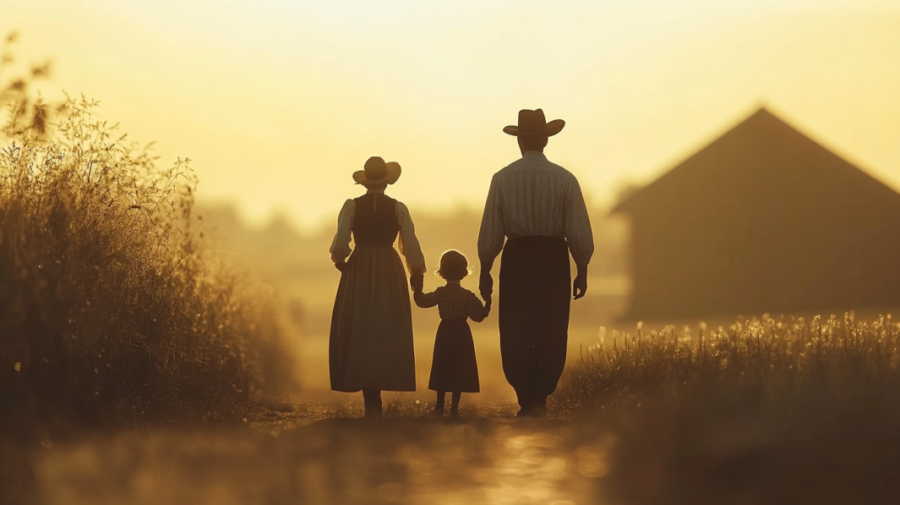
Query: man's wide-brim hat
point(532, 122)
point(376, 172)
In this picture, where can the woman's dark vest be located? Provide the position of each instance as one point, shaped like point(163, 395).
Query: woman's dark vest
point(375, 221)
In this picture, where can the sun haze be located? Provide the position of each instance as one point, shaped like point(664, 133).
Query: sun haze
point(279, 102)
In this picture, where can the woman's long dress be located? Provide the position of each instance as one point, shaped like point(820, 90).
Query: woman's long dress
point(453, 366)
point(371, 343)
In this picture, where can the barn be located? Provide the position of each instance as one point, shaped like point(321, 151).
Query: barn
point(763, 219)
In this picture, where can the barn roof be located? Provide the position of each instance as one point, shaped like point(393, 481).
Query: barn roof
point(762, 140)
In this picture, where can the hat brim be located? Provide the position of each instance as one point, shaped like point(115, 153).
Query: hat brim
point(550, 129)
point(392, 173)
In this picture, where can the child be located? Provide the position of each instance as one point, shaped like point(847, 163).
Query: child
point(453, 367)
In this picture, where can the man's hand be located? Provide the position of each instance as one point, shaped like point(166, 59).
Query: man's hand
point(579, 287)
point(417, 282)
point(486, 285)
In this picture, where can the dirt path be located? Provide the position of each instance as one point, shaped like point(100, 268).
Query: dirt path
point(318, 453)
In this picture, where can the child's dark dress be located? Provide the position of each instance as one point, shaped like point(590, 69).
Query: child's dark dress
point(453, 367)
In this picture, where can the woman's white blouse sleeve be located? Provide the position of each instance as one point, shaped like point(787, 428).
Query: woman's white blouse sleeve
point(409, 244)
point(340, 246)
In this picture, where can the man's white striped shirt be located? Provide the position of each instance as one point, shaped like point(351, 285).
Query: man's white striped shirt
point(534, 197)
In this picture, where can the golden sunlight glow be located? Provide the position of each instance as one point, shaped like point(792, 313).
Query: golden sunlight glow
point(279, 102)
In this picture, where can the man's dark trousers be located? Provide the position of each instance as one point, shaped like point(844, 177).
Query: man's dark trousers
point(535, 294)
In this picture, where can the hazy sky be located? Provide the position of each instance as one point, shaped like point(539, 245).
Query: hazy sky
point(278, 102)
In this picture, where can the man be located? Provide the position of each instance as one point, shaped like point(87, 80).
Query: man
point(538, 206)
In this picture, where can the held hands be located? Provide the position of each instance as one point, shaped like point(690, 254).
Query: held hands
point(486, 286)
point(417, 282)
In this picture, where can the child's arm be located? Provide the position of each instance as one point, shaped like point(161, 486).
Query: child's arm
point(475, 310)
point(425, 300)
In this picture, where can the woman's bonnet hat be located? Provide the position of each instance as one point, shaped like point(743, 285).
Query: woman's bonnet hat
point(376, 172)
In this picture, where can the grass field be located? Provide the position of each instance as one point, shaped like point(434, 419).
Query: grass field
point(761, 411)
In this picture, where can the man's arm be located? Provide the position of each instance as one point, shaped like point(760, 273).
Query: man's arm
point(579, 236)
point(486, 282)
point(490, 238)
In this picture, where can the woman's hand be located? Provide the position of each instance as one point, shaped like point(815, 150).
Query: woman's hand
point(341, 266)
point(417, 282)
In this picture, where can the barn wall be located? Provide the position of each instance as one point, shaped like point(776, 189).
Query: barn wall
point(765, 248)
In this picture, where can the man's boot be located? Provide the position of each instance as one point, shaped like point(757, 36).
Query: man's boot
point(539, 407)
point(373, 405)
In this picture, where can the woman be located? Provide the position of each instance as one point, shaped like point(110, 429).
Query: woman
point(371, 346)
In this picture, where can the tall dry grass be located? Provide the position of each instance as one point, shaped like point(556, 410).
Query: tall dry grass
point(110, 310)
point(765, 411)
point(786, 357)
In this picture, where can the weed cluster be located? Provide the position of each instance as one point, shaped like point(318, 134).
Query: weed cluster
point(109, 309)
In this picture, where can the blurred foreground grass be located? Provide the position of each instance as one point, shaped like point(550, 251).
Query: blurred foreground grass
point(764, 411)
point(112, 312)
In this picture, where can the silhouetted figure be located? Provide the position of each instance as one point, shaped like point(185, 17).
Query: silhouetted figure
point(371, 346)
point(539, 207)
point(453, 367)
